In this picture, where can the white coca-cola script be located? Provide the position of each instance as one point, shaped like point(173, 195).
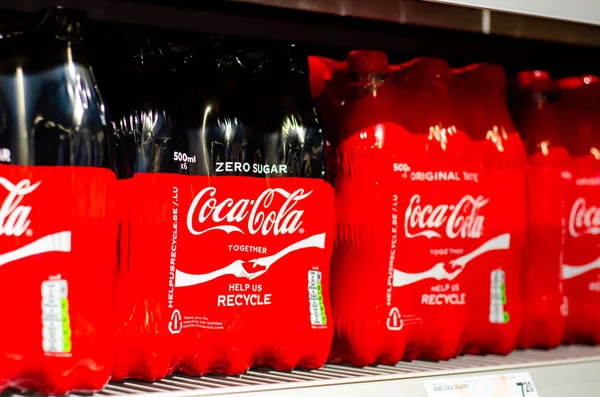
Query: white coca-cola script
point(583, 219)
point(273, 211)
point(459, 220)
point(14, 217)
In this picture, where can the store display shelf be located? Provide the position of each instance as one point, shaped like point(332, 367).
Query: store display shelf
point(568, 370)
point(575, 10)
point(575, 22)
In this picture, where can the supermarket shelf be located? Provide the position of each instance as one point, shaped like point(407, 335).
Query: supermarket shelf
point(573, 22)
point(568, 370)
point(583, 11)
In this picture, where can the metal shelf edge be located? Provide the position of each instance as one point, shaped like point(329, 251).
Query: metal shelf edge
point(468, 16)
point(547, 368)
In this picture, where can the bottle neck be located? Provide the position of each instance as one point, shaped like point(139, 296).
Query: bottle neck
point(149, 61)
point(64, 24)
point(490, 109)
point(280, 76)
point(58, 24)
point(365, 83)
point(536, 116)
point(47, 39)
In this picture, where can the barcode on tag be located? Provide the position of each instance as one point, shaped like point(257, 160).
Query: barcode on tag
point(502, 385)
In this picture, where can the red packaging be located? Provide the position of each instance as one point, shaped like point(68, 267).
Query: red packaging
point(265, 248)
point(59, 275)
point(534, 110)
point(57, 218)
point(581, 264)
point(231, 237)
point(400, 154)
point(443, 210)
point(367, 321)
point(142, 350)
point(142, 346)
point(495, 317)
point(328, 83)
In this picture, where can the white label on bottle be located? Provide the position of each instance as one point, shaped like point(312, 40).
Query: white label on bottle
point(517, 384)
point(497, 297)
point(315, 298)
point(56, 324)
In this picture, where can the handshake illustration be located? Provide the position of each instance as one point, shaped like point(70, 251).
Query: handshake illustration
point(440, 270)
point(238, 269)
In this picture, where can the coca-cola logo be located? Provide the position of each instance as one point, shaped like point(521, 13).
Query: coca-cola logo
point(14, 217)
point(583, 219)
point(14, 221)
point(459, 220)
point(274, 211)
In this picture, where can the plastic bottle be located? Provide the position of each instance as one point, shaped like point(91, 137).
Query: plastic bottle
point(253, 220)
point(443, 212)
point(144, 348)
point(495, 318)
point(58, 231)
point(368, 327)
point(533, 106)
point(581, 277)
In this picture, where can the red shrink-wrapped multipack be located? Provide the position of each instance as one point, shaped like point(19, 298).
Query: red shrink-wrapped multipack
point(495, 317)
point(534, 107)
point(231, 221)
point(358, 106)
point(146, 142)
point(58, 233)
point(401, 270)
point(580, 123)
point(444, 223)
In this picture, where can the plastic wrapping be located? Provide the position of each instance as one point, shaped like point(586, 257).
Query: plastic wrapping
point(147, 143)
point(58, 230)
point(363, 125)
point(581, 225)
point(230, 244)
point(444, 211)
point(534, 109)
point(407, 147)
point(495, 317)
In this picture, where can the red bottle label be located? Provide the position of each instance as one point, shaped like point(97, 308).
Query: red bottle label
point(494, 279)
point(234, 271)
point(444, 258)
point(442, 228)
point(581, 264)
point(57, 243)
point(368, 326)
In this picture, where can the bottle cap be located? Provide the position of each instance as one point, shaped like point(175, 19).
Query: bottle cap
point(425, 70)
point(367, 61)
point(536, 80)
point(484, 75)
point(577, 81)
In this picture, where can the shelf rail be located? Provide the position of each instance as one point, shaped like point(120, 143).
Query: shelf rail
point(263, 380)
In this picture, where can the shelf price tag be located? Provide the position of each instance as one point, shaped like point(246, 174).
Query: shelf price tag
point(517, 384)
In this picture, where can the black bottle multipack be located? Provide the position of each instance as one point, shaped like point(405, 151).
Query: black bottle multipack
point(58, 231)
point(237, 234)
